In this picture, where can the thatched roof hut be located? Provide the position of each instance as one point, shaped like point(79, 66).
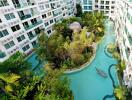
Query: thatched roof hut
point(75, 26)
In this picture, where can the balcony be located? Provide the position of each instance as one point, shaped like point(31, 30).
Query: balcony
point(25, 16)
point(33, 25)
point(22, 5)
point(3, 3)
point(130, 40)
point(2, 54)
point(32, 36)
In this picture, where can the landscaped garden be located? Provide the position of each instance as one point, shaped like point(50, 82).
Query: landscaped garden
point(74, 41)
point(72, 45)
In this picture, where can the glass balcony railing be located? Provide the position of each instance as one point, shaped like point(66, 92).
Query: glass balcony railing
point(33, 25)
point(25, 16)
point(130, 40)
point(22, 5)
point(32, 36)
point(28, 15)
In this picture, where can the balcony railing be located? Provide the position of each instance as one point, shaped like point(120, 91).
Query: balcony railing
point(33, 25)
point(25, 16)
point(32, 36)
point(22, 5)
point(130, 40)
point(28, 15)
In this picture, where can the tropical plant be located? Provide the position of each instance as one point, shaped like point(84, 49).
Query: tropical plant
point(15, 64)
point(53, 87)
point(8, 82)
point(120, 92)
point(95, 22)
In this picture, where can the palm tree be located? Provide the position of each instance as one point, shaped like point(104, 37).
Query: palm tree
point(8, 81)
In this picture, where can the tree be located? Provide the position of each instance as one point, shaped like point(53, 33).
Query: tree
point(15, 64)
point(79, 10)
point(8, 82)
point(95, 22)
point(58, 91)
point(63, 29)
point(120, 92)
point(42, 50)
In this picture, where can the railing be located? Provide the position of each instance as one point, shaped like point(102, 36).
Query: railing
point(31, 37)
point(25, 16)
point(130, 40)
point(33, 25)
point(22, 5)
point(29, 15)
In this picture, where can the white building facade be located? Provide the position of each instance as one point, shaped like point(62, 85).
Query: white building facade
point(105, 6)
point(22, 20)
point(123, 29)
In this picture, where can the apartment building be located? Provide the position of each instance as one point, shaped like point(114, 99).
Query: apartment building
point(123, 29)
point(105, 6)
point(22, 20)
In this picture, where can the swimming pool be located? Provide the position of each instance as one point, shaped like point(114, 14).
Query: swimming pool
point(36, 65)
point(87, 84)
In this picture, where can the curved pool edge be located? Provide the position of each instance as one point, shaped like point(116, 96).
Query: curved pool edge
point(109, 71)
point(85, 65)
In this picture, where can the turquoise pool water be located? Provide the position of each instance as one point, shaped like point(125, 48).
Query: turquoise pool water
point(33, 60)
point(87, 84)
point(37, 67)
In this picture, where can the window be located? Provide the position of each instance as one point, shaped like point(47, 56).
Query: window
point(112, 7)
point(9, 44)
point(46, 24)
point(30, 35)
point(34, 21)
point(20, 38)
point(44, 16)
point(106, 12)
point(85, 1)
point(41, 7)
point(25, 24)
point(102, 7)
point(34, 43)
point(96, 1)
point(96, 6)
point(3, 33)
point(0, 21)
point(49, 13)
point(25, 48)
point(107, 7)
point(15, 28)
point(49, 31)
point(113, 2)
point(9, 16)
point(47, 5)
point(112, 11)
point(51, 21)
point(87, 7)
point(63, 8)
point(102, 2)
point(3, 3)
point(107, 2)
